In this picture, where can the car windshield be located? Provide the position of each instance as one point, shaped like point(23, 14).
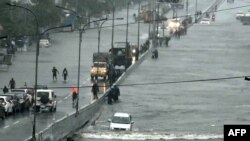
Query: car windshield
point(122, 120)
point(40, 94)
point(100, 65)
point(20, 96)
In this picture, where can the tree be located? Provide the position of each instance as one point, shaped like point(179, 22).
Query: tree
point(17, 21)
point(47, 14)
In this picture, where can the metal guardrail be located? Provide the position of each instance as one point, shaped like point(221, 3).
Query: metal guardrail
point(87, 114)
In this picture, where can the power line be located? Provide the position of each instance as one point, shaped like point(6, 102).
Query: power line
point(163, 83)
point(131, 23)
point(185, 81)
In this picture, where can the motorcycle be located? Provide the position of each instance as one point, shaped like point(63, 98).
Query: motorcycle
point(213, 18)
point(135, 52)
point(155, 54)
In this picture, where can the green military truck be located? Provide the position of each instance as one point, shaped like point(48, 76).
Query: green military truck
point(100, 66)
point(121, 54)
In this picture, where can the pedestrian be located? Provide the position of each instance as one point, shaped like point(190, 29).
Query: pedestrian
point(161, 39)
point(25, 85)
point(95, 90)
point(12, 83)
point(111, 75)
point(167, 39)
point(54, 72)
point(74, 92)
point(65, 74)
point(154, 54)
point(178, 34)
point(5, 90)
point(110, 95)
point(116, 93)
point(136, 53)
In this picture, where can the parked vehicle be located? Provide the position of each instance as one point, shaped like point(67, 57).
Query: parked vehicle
point(15, 101)
point(205, 21)
point(239, 15)
point(44, 43)
point(23, 99)
point(27, 90)
point(121, 121)
point(46, 100)
point(5, 101)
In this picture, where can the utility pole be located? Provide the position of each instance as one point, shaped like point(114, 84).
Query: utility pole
point(154, 15)
point(113, 26)
point(149, 7)
point(138, 19)
point(196, 20)
point(127, 23)
point(187, 7)
point(158, 16)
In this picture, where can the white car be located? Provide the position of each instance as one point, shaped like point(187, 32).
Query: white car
point(44, 43)
point(45, 100)
point(247, 14)
point(121, 121)
point(239, 14)
point(8, 105)
point(205, 21)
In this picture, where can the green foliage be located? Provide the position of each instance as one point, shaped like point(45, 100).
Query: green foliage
point(18, 21)
point(47, 14)
point(90, 7)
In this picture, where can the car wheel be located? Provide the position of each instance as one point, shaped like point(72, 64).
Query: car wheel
point(3, 117)
point(37, 109)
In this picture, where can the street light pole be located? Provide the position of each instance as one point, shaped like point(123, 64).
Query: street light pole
point(154, 17)
point(158, 15)
point(138, 19)
point(196, 20)
point(79, 18)
point(36, 66)
point(127, 24)
point(113, 25)
point(99, 29)
point(99, 33)
point(187, 3)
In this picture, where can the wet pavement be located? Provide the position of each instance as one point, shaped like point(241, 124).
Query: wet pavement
point(164, 107)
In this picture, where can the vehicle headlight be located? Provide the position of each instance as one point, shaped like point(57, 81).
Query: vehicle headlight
point(92, 70)
point(133, 50)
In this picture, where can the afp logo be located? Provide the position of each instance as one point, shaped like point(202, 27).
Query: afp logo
point(236, 132)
